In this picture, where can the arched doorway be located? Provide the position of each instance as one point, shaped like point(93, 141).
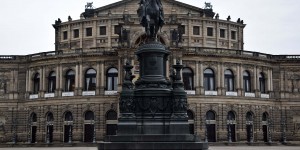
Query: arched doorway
point(68, 127)
point(249, 126)
point(265, 118)
point(33, 127)
point(211, 126)
point(49, 127)
point(191, 121)
point(231, 126)
point(89, 127)
point(111, 122)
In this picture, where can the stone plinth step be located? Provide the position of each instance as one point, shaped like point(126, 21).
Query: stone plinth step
point(153, 146)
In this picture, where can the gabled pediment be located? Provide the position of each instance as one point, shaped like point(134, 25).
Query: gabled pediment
point(132, 5)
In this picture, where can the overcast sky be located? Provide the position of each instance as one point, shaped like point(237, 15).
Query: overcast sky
point(273, 26)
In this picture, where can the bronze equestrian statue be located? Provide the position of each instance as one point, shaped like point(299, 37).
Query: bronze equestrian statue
point(151, 16)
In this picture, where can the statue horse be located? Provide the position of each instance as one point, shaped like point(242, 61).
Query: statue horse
point(151, 16)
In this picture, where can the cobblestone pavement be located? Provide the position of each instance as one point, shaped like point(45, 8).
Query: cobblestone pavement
point(254, 148)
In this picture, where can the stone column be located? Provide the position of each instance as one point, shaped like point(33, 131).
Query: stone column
point(44, 81)
point(196, 77)
point(81, 34)
point(79, 79)
point(61, 87)
point(76, 79)
point(204, 32)
point(241, 90)
point(222, 79)
point(95, 33)
point(102, 86)
point(98, 79)
point(255, 82)
point(201, 79)
point(219, 79)
point(40, 92)
point(57, 89)
point(269, 81)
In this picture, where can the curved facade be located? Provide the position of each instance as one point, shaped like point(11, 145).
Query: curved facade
point(71, 94)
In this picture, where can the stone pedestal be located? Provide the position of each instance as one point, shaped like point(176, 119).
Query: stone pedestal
point(153, 115)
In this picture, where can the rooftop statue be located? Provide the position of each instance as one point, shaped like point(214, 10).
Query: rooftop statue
point(151, 16)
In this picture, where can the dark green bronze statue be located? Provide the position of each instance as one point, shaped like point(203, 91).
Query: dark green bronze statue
point(151, 16)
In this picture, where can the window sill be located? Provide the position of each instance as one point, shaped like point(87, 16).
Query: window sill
point(211, 93)
point(267, 96)
point(190, 92)
point(249, 94)
point(88, 93)
point(66, 94)
point(48, 95)
point(33, 96)
point(231, 94)
point(110, 92)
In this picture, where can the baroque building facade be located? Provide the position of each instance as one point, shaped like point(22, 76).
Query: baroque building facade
point(72, 94)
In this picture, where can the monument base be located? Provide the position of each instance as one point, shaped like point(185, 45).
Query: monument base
point(153, 146)
point(152, 142)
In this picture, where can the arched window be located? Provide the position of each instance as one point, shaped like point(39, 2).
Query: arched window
point(210, 115)
point(89, 126)
point(262, 83)
point(51, 82)
point(68, 127)
point(36, 83)
point(247, 81)
point(112, 79)
point(188, 79)
point(111, 122)
point(231, 115)
point(33, 117)
point(191, 121)
point(90, 80)
point(68, 116)
point(229, 80)
point(265, 116)
point(50, 117)
point(209, 80)
point(249, 116)
point(33, 127)
point(210, 126)
point(70, 81)
point(89, 115)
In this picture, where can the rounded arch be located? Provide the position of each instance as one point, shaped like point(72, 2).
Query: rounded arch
point(188, 78)
point(210, 115)
point(111, 115)
point(90, 70)
point(89, 115)
point(231, 115)
point(68, 116)
point(49, 116)
point(33, 117)
point(265, 116)
point(249, 116)
point(191, 115)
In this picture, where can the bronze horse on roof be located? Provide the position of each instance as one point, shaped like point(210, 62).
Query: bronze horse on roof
point(151, 16)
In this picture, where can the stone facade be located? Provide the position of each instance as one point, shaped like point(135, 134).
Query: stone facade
point(31, 112)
